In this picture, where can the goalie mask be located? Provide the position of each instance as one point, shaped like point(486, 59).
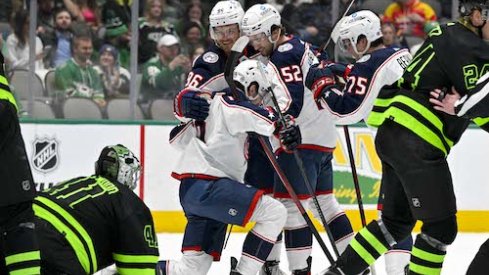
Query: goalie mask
point(248, 73)
point(117, 163)
point(362, 23)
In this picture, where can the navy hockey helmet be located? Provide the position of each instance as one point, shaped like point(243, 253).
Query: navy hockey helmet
point(466, 7)
point(117, 163)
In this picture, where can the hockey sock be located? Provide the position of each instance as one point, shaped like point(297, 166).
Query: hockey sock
point(277, 249)
point(341, 230)
point(367, 246)
point(192, 262)
point(397, 258)
point(427, 256)
point(298, 243)
point(255, 251)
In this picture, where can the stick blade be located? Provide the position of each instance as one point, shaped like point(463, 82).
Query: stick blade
point(240, 44)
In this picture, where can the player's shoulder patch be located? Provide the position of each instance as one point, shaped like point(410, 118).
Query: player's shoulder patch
point(285, 47)
point(364, 58)
point(210, 57)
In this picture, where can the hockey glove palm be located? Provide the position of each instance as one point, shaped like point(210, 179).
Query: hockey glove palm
point(192, 105)
point(289, 134)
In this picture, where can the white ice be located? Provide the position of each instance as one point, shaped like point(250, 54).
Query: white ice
point(458, 258)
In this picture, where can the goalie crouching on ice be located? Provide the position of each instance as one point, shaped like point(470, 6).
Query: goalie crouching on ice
point(211, 171)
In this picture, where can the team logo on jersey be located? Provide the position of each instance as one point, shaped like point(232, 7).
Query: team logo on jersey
point(45, 156)
point(210, 57)
point(285, 47)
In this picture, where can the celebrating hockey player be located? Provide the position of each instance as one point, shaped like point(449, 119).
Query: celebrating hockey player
point(207, 71)
point(19, 253)
point(376, 70)
point(88, 223)
point(289, 60)
point(413, 141)
point(211, 172)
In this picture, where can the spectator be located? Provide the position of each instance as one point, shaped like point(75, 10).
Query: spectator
point(162, 75)
point(389, 35)
point(60, 40)
point(198, 51)
point(119, 36)
point(409, 16)
point(18, 44)
point(193, 13)
point(192, 37)
point(115, 79)
point(116, 13)
point(151, 28)
point(77, 77)
point(45, 19)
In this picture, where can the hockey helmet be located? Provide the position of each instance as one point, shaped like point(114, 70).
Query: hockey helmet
point(119, 164)
point(260, 18)
point(225, 13)
point(466, 7)
point(247, 73)
point(353, 26)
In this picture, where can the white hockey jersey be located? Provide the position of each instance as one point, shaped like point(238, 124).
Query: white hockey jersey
point(220, 152)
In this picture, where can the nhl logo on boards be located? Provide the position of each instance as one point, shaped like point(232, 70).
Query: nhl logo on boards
point(45, 157)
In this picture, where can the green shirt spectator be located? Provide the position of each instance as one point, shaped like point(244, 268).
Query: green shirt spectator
point(77, 77)
point(163, 74)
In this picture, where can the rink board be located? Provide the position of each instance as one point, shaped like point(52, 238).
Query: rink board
point(62, 150)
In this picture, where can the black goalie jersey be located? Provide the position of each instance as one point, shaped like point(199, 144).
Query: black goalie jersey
point(87, 224)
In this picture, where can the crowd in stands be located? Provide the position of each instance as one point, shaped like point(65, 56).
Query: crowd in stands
point(87, 42)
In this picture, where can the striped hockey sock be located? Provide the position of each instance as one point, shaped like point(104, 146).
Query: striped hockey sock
point(425, 258)
point(368, 245)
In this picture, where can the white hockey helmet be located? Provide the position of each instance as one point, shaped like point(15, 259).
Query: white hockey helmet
point(249, 72)
point(351, 27)
point(260, 18)
point(225, 13)
point(117, 163)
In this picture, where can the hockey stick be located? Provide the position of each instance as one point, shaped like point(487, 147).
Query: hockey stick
point(236, 51)
point(325, 45)
point(300, 165)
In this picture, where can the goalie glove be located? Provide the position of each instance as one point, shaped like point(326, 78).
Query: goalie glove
point(289, 134)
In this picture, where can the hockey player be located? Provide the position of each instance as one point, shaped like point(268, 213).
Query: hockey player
point(375, 71)
point(413, 141)
point(207, 71)
point(211, 173)
point(88, 223)
point(289, 60)
point(19, 253)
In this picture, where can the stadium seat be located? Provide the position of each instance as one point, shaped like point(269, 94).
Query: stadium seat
point(50, 83)
point(162, 109)
point(41, 109)
point(19, 82)
point(119, 108)
point(81, 108)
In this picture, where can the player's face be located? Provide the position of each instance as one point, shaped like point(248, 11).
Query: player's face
point(261, 44)
point(253, 95)
point(226, 36)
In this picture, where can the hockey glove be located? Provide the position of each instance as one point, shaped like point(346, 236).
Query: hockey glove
point(190, 104)
point(339, 69)
point(317, 80)
point(289, 134)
